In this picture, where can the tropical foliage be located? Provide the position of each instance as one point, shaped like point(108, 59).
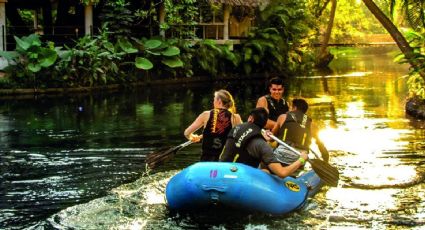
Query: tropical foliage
point(187, 55)
point(352, 22)
point(29, 59)
point(117, 55)
point(413, 11)
point(181, 17)
point(118, 17)
point(416, 82)
point(262, 51)
point(158, 51)
point(275, 45)
point(279, 42)
point(93, 61)
point(215, 59)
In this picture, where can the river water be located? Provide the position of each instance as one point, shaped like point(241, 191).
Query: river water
point(77, 162)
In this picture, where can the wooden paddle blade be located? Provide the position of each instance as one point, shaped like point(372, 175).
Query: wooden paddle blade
point(158, 157)
point(325, 171)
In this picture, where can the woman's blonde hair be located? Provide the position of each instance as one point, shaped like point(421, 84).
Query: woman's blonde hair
point(227, 99)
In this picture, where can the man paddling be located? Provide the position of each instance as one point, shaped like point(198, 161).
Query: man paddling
point(274, 102)
point(297, 129)
point(245, 144)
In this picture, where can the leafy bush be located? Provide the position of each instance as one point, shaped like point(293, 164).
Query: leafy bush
point(276, 44)
point(416, 86)
point(157, 53)
point(416, 82)
point(261, 53)
point(181, 16)
point(118, 17)
point(187, 53)
point(215, 59)
point(93, 61)
point(30, 60)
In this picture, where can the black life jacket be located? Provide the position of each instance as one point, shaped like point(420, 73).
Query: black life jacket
point(296, 130)
point(276, 107)
point(215, 132)
point(235, 148)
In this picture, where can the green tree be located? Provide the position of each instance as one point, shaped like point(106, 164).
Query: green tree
point(408, 52)
point(277, 43)
point(181, 16)
point(413, 11)
point(118, 17)
point(325, 56)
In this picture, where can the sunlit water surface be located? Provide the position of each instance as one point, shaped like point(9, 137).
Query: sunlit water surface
point(60, 152)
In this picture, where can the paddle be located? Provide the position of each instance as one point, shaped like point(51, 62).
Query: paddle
point(325, 171)
point(158, 157)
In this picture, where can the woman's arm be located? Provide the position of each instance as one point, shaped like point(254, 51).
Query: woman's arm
point(199, 122)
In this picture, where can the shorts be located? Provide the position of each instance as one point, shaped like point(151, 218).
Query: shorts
point(285, 155)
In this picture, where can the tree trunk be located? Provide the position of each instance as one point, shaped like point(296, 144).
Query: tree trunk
point(161, 17)
point(395, 34)
point(325, 56)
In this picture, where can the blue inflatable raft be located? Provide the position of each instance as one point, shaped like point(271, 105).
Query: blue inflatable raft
point(238, 186)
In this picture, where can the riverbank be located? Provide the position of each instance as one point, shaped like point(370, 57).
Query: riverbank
point(116, 87)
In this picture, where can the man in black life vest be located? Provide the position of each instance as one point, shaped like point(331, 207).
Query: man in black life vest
point(297, 129)
point(245, 144)
point(274, 102)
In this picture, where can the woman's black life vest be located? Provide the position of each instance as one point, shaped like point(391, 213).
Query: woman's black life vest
point(276, 107)
point(215, 133)
point(296, 130)
point(235, 149)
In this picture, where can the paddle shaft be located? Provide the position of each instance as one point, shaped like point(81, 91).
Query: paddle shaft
point(325, 171)
point(290, 147)
point(284, 144)
point(184, 144)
